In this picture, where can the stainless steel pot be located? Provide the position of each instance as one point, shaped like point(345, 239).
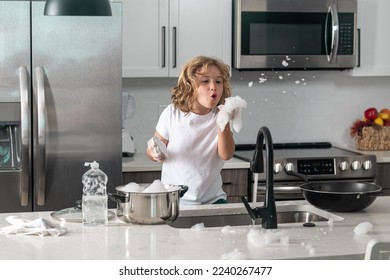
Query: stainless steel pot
point(148, 208)
point(338, 196)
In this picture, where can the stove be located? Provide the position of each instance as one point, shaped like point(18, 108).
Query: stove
point(320, 161)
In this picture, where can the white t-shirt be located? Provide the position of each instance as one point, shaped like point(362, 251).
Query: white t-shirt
point(192, 158)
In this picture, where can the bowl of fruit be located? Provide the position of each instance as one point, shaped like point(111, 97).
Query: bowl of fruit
point(372, 131)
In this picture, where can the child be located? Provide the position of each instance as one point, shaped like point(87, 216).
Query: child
point(196, 148)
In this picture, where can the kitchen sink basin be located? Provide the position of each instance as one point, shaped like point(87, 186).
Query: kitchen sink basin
point(291, 214)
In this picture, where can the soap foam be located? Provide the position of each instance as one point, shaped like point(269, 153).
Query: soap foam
point(234, 255)
point(198, 227)
point(261, 238)
point(155, 187)
point(363, 228)
point(131, 187)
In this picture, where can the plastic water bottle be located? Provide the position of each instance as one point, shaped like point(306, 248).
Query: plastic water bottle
point(95, 199)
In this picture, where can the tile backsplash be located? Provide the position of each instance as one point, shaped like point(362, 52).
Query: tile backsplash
point(297, 106)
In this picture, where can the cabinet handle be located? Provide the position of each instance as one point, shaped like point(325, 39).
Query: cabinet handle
point(358, 33)
point(163, 47)
point(174, 48)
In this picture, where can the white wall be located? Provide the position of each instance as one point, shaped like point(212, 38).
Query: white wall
point(297, 106)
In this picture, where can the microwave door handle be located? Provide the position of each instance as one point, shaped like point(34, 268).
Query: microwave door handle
point(41, 148)
point(332, 54)
point(24, 135)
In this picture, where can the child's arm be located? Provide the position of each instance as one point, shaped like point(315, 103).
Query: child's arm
point(225, 143)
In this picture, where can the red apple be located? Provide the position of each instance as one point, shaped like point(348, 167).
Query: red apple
point(371, 114)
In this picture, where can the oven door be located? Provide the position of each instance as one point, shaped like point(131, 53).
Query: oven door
point(296, 34)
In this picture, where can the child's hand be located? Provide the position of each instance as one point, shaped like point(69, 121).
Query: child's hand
point(231, 111)
point(155, 150)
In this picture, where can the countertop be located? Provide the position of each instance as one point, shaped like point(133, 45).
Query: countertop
point(121, 241)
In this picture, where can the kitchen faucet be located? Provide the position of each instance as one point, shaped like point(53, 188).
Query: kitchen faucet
point(268, 212)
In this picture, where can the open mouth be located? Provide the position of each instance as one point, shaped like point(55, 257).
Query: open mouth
point(213, 96)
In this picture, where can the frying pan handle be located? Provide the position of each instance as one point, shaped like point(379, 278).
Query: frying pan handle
point(299, 175)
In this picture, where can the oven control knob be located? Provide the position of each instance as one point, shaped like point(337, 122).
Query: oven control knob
point(277, 168)
point(355, 165)
point(367, 165)
point(289, 166)
point(343, 165)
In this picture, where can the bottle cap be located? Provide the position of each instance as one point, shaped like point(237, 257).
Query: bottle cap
point(94, 164)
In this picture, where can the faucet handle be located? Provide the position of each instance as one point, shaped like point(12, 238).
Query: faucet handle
point(248, 208)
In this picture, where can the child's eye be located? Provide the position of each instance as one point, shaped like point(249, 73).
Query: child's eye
point(205, 81)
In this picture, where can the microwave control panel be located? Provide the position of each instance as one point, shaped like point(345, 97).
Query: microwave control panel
point(346, 36)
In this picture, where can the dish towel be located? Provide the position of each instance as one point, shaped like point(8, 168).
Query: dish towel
point(40, 227)
point(231, 111)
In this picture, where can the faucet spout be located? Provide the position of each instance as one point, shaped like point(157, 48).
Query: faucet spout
point(268, 212)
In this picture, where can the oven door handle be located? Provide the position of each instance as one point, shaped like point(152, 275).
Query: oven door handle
point(282, 189)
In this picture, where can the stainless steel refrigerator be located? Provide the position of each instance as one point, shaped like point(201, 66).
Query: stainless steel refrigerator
point(60, 104)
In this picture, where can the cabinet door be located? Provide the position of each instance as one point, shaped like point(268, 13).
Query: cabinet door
point(373, 21)
point(159, 36)
point(145, 31)
point(199, 27)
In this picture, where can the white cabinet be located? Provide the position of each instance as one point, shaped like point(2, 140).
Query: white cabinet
point(159, 36)
point(374, 22)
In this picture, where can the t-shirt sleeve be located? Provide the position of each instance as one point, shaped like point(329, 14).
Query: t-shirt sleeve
point(164, 122)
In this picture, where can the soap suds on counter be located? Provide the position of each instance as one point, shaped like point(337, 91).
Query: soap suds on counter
point(330, 224)
point(234, 255)
point(261, 238)
point(198, 227)
point(362, 228)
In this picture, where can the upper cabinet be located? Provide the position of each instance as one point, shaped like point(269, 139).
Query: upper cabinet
point(159, 36)
point(374, 22)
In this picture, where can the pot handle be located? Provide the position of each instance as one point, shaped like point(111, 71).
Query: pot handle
point(299, 175)
point(183, 190)
point(117, 197)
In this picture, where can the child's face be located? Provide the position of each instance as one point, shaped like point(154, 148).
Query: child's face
point(209, 91)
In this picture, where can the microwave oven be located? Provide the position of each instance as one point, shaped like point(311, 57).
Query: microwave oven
point(295, 34)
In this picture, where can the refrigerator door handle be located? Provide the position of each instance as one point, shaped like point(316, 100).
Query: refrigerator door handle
point(25, 135)
point(41, 127)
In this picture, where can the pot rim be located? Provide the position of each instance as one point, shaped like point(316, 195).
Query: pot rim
point(172, 188)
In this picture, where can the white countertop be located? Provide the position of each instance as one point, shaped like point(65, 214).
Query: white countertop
point(121, 241)
point(140, 162)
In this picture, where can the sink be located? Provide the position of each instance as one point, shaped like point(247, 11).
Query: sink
point(295, 214)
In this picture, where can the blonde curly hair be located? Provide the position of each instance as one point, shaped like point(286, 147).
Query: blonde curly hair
point(183, 96)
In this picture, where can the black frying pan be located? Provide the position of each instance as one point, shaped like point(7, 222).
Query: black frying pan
point(338, 196)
